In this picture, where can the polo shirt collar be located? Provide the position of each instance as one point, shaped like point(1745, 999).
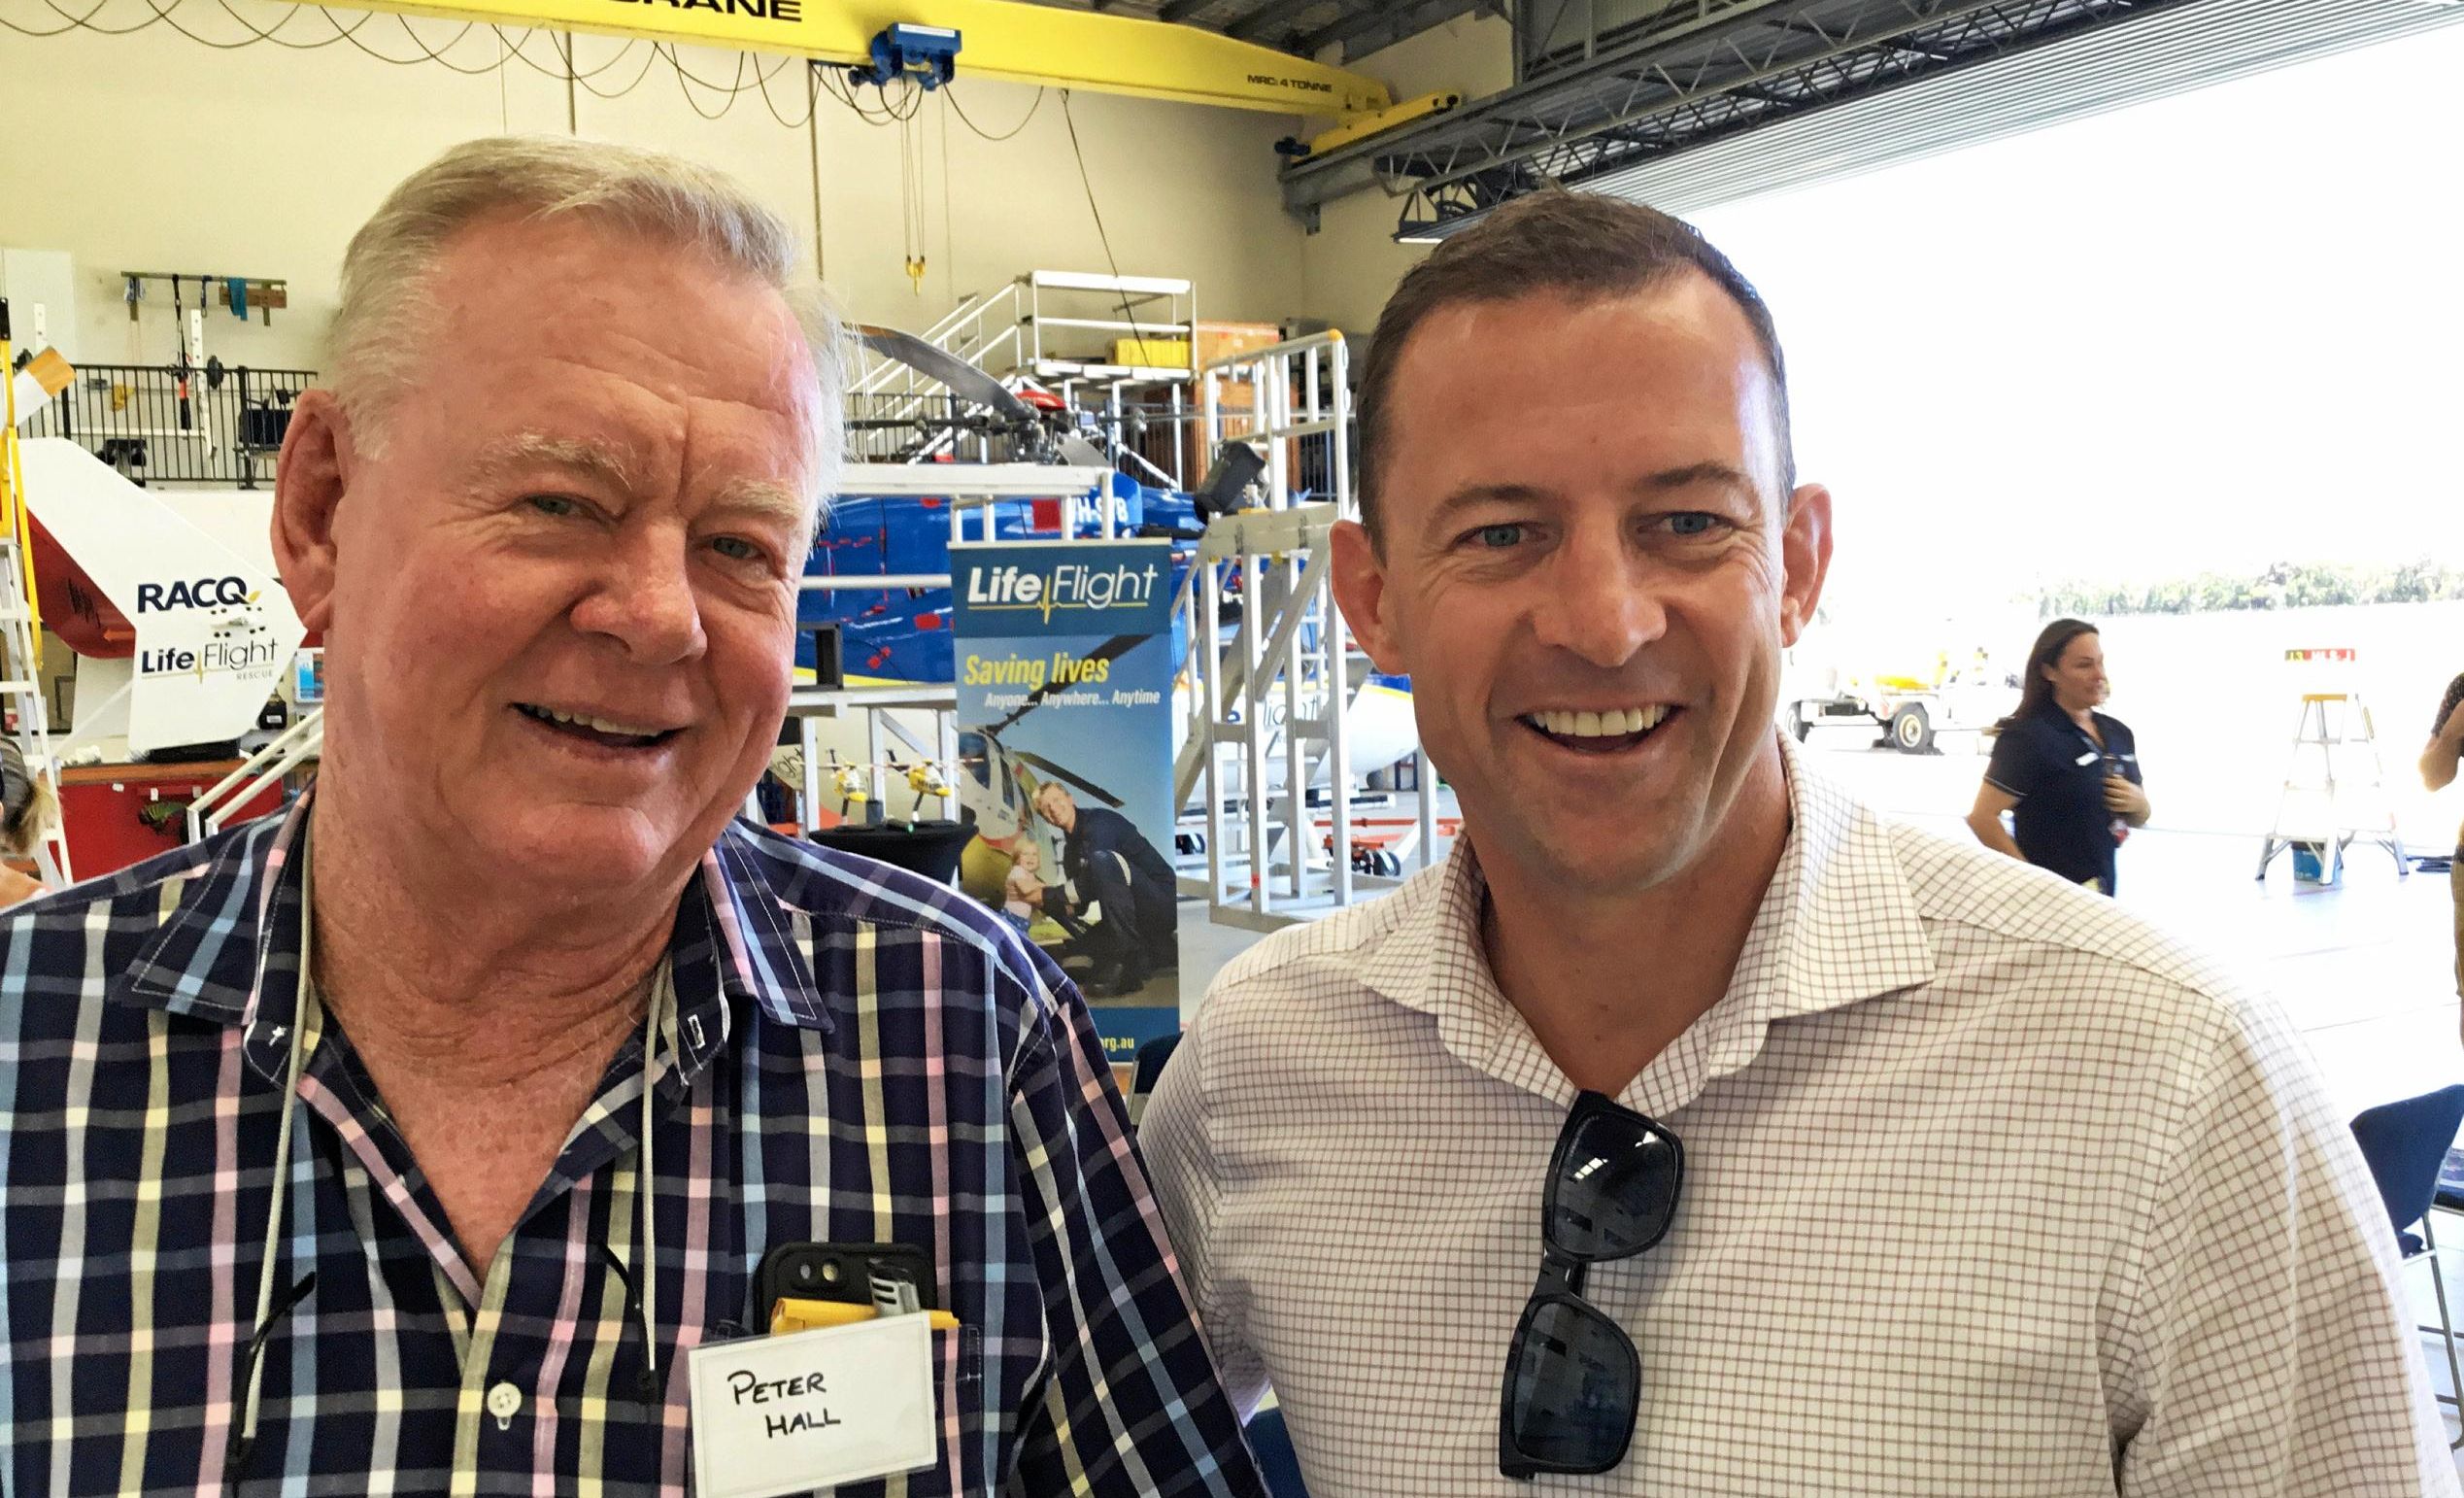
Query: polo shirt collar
point(1838, 925)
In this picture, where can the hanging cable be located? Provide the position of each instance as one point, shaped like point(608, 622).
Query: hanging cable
point(949, 249)
point(895, 107)
point(650, 59)
point(912, 227)
point(685, 77)
point(1128, 311)
point(164, 15)
point(761, 81)
point(31, 31)
point(813, 138)
point(273, 33)
point(951, 92)
point(86, 22)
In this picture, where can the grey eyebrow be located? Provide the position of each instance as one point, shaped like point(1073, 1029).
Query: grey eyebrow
point(538, 449)
point(768, 499)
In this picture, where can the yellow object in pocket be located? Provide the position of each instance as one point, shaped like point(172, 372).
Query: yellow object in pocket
point(795, 1313)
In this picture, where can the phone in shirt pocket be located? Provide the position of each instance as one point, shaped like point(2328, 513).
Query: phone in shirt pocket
point(840, 1272)
point(848, 1272)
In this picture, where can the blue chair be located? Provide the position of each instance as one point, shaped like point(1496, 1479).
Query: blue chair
point(1271, 1444)
point(2405, 1144)
point(1148, 1072)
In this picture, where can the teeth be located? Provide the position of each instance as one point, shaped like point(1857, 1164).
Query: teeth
point(1611, 724)
point(599, 725)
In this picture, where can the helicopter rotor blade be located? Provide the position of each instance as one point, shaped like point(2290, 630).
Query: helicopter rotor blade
point(964, 379)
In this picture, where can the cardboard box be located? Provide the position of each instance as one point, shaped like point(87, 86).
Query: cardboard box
point(1217, 339)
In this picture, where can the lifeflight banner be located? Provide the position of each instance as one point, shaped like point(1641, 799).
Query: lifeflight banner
point(1065, 711)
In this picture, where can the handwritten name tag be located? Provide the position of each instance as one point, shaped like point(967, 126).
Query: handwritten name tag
point(785, 1414)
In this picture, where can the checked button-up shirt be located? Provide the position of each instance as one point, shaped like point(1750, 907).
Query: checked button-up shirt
point(851, 1055)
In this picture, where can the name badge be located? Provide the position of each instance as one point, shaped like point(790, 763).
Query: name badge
point(812, 1409)
point(2090, 758)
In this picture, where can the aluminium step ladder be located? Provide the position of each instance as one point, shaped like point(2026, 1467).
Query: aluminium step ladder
point(2329, 809)
point(26, 718)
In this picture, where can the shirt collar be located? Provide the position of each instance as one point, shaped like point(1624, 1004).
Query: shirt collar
point(1836, 925)
point(1840, 906)
point(226, 946)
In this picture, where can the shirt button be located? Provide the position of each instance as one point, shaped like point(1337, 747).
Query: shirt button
point(504, 1402)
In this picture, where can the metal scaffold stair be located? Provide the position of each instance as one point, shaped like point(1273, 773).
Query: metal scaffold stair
point(28, 719)
point(1269, 729)
point(1002, 337)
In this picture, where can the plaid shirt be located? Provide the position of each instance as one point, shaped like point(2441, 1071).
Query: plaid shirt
point(852, 1055)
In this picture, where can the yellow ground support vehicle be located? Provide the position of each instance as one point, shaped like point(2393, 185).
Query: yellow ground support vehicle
point(1913, 709)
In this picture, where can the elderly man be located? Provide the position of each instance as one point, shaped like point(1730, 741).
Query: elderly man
point(422, 1140)
point(1691, 1131)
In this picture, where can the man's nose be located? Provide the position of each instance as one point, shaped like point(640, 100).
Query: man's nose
point(1598, 603)
point(645, 599)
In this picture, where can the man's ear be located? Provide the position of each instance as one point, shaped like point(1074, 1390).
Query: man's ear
point(1360, 589)
point(1805, 550)
point(316, 467)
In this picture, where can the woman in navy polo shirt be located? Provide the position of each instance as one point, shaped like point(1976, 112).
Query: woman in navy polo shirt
point(2068, 774)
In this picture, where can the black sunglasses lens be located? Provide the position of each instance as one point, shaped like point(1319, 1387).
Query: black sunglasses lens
point(1574, 1388)
point(1616, 1187)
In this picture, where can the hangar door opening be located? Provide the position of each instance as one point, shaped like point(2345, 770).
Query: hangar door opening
point(2186, 369)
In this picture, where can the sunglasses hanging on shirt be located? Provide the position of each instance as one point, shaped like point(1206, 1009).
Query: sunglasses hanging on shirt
point(1572, 1379)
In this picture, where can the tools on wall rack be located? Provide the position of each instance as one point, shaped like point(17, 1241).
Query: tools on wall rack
point(239, 295)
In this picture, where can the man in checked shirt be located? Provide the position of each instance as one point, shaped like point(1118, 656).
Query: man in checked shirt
point(413, 1141)
point(1692, 1133)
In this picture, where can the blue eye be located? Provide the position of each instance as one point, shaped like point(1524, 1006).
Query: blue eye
point(1498, 536)
point(737, 548)
point(1691, 523)
point(554, 504)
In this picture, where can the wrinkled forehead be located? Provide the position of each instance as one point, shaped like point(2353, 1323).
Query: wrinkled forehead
point(574, 293)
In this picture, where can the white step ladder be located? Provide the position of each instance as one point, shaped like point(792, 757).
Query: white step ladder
point(2324, 807)
point(28, 721)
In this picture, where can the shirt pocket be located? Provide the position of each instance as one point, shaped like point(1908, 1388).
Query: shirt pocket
point(958, 1418)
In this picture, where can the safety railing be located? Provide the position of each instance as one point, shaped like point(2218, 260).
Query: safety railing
point(161, 424)
point(889, 427)
point(1267, 733)
point(294, 746)
point(982, 329)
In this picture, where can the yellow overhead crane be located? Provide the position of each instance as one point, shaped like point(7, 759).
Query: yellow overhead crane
point(1006, 39)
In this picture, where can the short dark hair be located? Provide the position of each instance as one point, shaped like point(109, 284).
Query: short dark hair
point(1580, 244)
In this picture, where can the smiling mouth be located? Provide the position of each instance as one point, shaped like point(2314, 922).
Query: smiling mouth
point(1588, 732)
point(601, 731)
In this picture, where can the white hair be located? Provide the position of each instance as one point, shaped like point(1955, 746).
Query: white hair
point(385, 318)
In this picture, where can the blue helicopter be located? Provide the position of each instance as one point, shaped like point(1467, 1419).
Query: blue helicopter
point(901, 634)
